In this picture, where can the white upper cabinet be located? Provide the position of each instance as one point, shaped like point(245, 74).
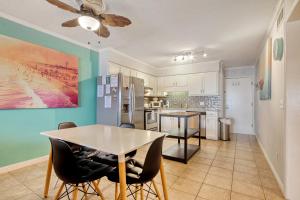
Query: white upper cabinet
point(195, 85)
point(172, 83)
point(145, 77)
point(211, 83)
point(114, 68)
point(203, 84)
point(181, 81)
point(133, 73)
point(125, 71)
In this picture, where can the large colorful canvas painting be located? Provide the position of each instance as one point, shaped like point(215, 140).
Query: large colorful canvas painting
point(33, 76)
point(264, 72)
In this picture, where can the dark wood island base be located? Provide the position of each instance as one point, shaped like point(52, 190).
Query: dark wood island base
point(181, 152)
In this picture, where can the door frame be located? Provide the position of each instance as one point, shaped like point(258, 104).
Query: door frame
point(252, 97)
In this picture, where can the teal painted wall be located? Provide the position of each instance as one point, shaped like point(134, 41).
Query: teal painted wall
point(20, 129)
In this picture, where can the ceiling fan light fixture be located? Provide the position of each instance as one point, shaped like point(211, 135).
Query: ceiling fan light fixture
point(89, 23)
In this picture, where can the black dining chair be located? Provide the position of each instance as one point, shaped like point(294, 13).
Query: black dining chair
point(78, 150)
point(138, 175)
point(111, 159)
point(76, 174)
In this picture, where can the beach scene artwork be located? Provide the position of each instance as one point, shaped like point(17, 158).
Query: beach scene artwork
point(33, 76)
point(265, 72)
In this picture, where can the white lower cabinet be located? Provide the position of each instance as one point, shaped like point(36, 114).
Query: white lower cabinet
point(212, 126)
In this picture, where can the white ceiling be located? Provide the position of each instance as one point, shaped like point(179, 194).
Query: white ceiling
point(229, 30)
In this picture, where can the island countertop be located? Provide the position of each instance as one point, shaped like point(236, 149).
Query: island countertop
point(182, 114)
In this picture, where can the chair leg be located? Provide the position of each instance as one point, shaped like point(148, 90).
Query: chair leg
point(142, 192)
point(136, 191)
point(98, 181)
point(59, 190)
point(156, 190)
point(98, 190)
point(85, 191)
point(75, 192)
point(116, 191)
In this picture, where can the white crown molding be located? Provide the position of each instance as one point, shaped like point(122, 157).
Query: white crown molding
point(241, 67)
point(279, 5)
point(189, 64)
point(23, 164)
point(40, 29)
point(127, 56)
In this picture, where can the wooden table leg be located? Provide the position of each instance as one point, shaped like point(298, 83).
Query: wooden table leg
point(164, 180)
point(122, 175)
point(48, 175)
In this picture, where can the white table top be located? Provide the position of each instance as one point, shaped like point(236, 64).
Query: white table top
point(109, 139)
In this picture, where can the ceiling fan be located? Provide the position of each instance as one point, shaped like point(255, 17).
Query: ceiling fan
point(92, 16)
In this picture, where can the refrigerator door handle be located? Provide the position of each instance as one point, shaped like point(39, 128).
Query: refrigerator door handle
point(133, 102)
point(130, 113)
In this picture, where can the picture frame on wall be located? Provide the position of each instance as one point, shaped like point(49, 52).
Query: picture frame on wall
point(265, 72)
point(34, 76)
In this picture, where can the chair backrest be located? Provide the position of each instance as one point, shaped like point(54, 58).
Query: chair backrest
point(127, 125)
point(65, 125)
point(64, 162)
point(152, 160)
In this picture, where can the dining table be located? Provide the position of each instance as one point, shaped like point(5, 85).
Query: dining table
point(108, 139)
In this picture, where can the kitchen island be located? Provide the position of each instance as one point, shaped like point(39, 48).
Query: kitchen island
point(181, 152)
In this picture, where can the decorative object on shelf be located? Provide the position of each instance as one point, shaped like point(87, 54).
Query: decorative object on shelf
point(33, 76)
point(187, 56)
point(278, 47)
point(265, 70)
point(92, 16)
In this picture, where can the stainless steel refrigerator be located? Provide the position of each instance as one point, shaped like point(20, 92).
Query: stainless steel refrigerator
point(120, 99)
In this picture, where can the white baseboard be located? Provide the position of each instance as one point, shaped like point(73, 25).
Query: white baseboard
point(279, 181)
point(26, 163)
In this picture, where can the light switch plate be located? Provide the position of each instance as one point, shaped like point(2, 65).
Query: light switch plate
point(201, 103)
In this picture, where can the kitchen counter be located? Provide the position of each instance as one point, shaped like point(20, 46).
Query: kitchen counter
point(180, 114)
point(186, 109)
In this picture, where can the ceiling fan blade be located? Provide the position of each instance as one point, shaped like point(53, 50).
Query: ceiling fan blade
point(103, 31)
point(64, 6)
point(71, 23)
point(114, 20)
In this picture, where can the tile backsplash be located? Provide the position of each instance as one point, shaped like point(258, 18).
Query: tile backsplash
point(182, 100)
point(178, 99)
point(210, 103)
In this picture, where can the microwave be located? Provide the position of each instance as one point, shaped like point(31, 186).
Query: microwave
point(155, 104)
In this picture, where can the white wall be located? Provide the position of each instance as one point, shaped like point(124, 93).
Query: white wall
point(293, 110)
point(269, 115)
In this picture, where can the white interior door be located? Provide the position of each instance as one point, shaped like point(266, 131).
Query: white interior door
point(239, 104)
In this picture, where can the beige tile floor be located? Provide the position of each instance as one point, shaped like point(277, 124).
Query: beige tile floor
point(235, 170)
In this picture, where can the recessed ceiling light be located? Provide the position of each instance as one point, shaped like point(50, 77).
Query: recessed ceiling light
point(205, 55)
